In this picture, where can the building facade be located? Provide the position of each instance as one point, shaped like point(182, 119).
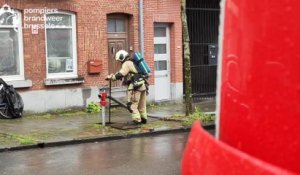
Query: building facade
point(58, 53)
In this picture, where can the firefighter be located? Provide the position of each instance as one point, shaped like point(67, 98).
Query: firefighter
point(137, 87)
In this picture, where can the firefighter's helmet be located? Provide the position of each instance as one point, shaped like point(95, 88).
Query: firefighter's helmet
point(122, 55)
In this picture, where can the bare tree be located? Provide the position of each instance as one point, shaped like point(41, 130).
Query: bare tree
point(187, 60)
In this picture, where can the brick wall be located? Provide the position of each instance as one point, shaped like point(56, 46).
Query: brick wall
point(91, 36)
point(91, 18)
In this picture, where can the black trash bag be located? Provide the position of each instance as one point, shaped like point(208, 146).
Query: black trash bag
point(11, 103)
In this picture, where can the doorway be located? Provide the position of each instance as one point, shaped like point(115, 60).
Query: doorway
point(118, 39)
point(162, 62)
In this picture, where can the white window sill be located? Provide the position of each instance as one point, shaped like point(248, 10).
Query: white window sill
point(63, 81)
point(20, 83)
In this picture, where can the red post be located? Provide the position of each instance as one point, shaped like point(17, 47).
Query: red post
point(259, 92)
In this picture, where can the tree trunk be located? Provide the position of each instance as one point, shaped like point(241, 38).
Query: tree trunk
point(187, 60)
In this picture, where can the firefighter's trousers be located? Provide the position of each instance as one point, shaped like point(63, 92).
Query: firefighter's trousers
point(138, 104)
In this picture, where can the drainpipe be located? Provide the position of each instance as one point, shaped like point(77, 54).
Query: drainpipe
point(141, 26)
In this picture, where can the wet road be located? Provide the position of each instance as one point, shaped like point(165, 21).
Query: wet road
point(159, 155)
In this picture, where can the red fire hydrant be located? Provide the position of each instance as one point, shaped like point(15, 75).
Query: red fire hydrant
point(103, 103)
point(103, 97)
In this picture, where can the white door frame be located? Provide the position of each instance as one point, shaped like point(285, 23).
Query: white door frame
point(163, 57)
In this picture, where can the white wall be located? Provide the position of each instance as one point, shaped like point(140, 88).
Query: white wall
point(176, 92)
point(47, 100)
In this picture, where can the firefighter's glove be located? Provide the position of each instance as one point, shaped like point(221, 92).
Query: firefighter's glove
point(110, 77)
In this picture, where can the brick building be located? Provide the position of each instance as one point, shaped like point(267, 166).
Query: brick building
point(47, 60)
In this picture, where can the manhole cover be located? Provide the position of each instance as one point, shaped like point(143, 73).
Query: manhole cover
point(124, 126)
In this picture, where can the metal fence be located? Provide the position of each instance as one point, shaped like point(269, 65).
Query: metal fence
point(204, 81)
point(203, 23)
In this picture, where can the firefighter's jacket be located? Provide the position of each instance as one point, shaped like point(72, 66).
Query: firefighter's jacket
point(128, 70)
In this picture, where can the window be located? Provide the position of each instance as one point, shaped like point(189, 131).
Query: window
point(61, 45)
point(160, 48)
point(11, 48)
point(161, 65)
point(116, 26)
point(160, 32)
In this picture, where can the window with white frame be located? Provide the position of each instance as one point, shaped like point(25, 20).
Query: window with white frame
point(11, 46)
point(61, 45)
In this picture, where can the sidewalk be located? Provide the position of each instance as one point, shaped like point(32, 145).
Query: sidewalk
point(56, 128)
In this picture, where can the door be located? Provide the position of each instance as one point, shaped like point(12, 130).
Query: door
point(117, 32)
point(114, 66)
point(162, 62)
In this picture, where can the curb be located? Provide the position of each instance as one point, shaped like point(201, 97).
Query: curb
point(101, 139)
